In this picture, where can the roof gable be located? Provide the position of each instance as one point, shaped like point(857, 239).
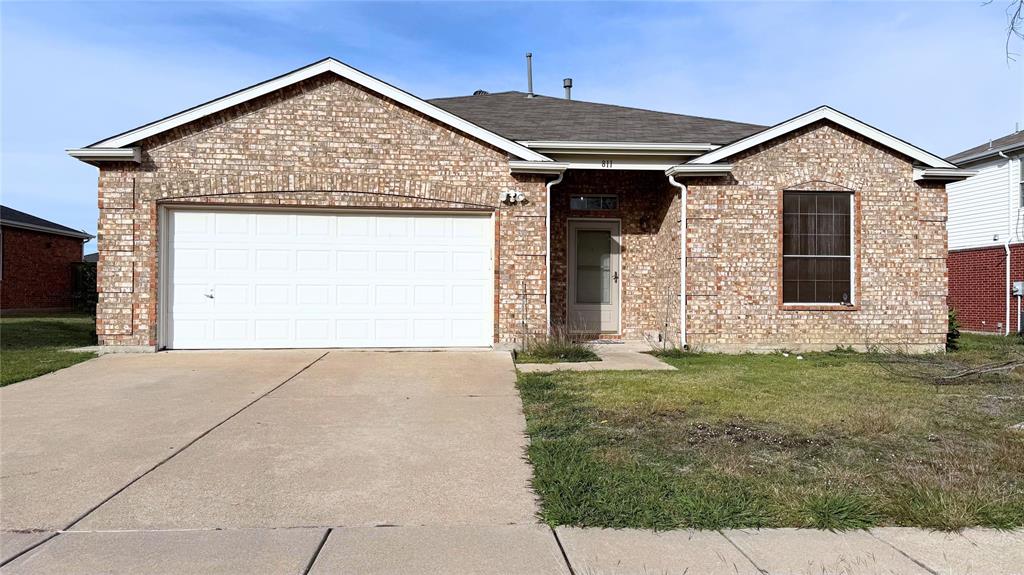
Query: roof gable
point(327, 65)
point(817, 115)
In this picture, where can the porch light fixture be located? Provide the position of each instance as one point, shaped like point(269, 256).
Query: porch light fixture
point(512, 196)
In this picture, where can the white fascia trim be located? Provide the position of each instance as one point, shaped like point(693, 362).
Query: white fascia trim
point(619, 148)
point(45, 229)
point(943, 174)
point(522, 167)
point(833, 115)
point(699, 170)
point(327, 65)
point(106, 154)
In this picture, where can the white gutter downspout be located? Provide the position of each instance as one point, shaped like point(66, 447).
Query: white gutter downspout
point(1009, 231)
point(682, 260)
point(547, 247)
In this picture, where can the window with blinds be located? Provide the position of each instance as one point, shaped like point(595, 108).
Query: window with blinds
point(817, 248)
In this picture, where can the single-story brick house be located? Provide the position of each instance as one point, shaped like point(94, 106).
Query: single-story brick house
point(36, 259)
point(986, 236)
point(326, 208)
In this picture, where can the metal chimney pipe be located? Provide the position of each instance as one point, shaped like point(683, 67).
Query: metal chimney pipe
point(529, 74)
point(567, 84)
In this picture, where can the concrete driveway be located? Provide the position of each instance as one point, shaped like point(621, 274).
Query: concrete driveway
point(266, 461)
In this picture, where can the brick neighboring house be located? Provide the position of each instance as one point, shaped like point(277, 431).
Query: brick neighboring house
point(986, 236)
point(326, 208)
point(37, 259)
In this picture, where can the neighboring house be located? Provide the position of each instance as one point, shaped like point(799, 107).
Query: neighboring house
point(327, 208)
point(986, 236)
point(37, 260)
point(91, 258)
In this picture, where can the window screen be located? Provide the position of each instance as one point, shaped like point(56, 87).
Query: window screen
point(816, 258)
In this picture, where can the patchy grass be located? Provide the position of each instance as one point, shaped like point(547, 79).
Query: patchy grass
point(557, 349)
point(833, 441)
point(33, 346)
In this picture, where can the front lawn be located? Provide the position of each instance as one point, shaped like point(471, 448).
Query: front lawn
point(834, 440)
point(32, 346)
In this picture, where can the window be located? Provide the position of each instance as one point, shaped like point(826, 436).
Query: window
point(592, 203)
point(817, 262)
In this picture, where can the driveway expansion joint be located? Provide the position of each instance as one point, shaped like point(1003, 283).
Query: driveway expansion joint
point(316, 554)
point(561, 548)
point(742, 552)
point(904, 553)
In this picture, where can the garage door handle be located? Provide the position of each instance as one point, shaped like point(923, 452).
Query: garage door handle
point(209, 295)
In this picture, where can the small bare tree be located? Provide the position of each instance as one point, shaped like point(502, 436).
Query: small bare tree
point(1014, 25)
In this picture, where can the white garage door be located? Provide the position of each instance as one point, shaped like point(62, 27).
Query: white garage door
point(277, 279)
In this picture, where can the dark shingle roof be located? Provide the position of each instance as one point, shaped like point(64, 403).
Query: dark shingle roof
point(1014, 140)
point(516, 117)
point(18, 219)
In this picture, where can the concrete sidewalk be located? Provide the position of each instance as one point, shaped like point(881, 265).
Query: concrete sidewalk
point(526, 550)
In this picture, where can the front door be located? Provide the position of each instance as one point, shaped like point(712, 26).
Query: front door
point(593, 276)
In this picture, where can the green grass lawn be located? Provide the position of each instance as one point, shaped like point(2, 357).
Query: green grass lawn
point(32, 346)
point(835, 440)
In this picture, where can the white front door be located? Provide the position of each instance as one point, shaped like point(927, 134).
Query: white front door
point(271, 279)
point(594, 276)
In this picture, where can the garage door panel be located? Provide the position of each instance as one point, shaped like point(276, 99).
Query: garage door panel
point(340, 280)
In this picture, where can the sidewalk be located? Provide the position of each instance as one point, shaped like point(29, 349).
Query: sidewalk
point(793, 551)
point(524, 549)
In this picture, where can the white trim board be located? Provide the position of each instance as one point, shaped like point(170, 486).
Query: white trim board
point(326, 65)
point(943, 174)
point(833, 115)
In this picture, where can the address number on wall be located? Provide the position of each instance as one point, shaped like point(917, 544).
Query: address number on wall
point(606, 163)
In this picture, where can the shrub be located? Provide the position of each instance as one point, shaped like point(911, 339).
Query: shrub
point(559, 346)
point(952, 332)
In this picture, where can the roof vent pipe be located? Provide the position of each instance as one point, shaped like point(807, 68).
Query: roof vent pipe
point(529, 74)
point(567, 84)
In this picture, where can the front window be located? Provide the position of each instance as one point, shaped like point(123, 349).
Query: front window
point(817, 250)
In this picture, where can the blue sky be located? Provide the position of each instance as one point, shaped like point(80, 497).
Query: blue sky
point(74, 73)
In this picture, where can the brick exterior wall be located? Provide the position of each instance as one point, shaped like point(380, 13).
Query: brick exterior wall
point(977, 287)
point(734, 257)
point(649, 238)
point(37, 270)
point(329, 143)
point(326, 143)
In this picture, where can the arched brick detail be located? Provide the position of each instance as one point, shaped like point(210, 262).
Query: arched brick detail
point(819, 186)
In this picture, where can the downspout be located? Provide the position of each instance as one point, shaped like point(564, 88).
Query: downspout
point(682, 260)
point(1006, 242)
point(547, 247)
